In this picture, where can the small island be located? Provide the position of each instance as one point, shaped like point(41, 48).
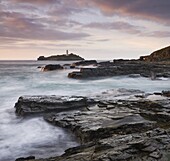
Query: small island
point(63, 57)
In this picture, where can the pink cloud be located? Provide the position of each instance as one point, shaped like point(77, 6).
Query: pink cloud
point(155, 10)
point(39, 2)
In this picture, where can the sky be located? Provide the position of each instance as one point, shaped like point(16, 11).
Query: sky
point(93, 29)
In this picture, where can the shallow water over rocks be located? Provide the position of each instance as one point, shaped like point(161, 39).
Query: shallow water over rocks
point(23, 137)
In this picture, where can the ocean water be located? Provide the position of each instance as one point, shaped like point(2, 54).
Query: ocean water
point(21, 137)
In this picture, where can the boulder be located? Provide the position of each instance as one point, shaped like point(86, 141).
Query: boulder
point(67, 66)
point(166, 93)
point(51, 67)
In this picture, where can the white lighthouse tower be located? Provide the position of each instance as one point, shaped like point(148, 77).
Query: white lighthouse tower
point(67, 52)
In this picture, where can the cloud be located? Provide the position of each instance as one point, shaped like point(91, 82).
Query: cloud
point(155, 10)
point(103, 40)
point(127, 28)
point(37, 2)
point(16, 25)
point(61, 20)
point(119, 25)
point(64, 11)
point(158, 34)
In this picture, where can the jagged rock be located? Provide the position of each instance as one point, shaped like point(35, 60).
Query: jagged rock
point(129, 147)
point(64, 57)
point(125, 67)
point(67, 66)
point(166, 93)
point(92, 72)
point(85, 63)
point(50, 67)
point(155, 155)
point(112, 130)
point(40, 104)
point(100, 122)
point(125, 61)
point(105, 63)
point(135, 68)
point(159, 55)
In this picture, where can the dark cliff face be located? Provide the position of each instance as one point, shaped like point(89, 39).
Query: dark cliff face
point(63, 57)
point(159, 55)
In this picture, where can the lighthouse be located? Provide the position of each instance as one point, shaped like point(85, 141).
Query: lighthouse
point(67, 52)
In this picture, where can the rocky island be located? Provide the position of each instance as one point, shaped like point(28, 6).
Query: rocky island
point(63, 57)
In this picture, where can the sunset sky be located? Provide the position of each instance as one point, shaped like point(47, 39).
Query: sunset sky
point(94, 29)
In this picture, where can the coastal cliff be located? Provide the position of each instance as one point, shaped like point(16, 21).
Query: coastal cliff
point(159, 55)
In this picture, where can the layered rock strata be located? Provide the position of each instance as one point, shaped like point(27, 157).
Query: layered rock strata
point(111, 129)
point(123, 68)
point(42, 104)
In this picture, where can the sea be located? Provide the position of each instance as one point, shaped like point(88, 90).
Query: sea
point(32, 136)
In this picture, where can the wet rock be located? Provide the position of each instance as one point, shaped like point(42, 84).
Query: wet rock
point(67, 66)
point(134, 75)
point(51, 67)
point(112, 130)
point(76, 75)
point(43, 104)
point(134, 69)
point(85, 63)
point(105, 64)
point(101, 122)
point(166, 93)
point(155, 155)
point(131, 147)
point(92, 72)
point(123, 156)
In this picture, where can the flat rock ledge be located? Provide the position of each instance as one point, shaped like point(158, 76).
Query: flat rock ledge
point(122, 68)
point(43, 104)
point(117, 130)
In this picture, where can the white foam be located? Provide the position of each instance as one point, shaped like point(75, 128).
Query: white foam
point(156, 97)
point(22, 137)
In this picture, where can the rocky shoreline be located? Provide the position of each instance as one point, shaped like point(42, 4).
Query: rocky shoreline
point(131, 125)
point(119, 68)
point(92, 69)
point(154, 66)
point(122, 125)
